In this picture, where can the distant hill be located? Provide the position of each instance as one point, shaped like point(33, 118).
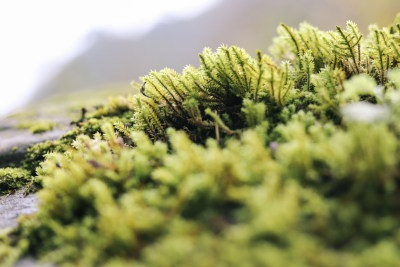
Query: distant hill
point(247, 23)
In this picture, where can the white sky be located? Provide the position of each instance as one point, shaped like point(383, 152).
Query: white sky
point(36, 34)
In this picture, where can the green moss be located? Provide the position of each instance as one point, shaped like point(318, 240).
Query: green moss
point(38, 126)
point(12, 179)
point(41, 127)
point(152, 206)
point(241, 162)
point(36, 154)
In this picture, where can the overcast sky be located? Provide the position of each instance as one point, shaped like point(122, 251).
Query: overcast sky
point(37, 35)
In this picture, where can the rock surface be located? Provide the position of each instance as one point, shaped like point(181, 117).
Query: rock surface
point(14, 205)
point(30, 262)
point(14, 142)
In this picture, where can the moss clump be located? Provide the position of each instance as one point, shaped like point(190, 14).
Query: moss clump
point(152, 206)
point(36, 127)
point(36, 154)
point(241, 162)
point(12, 179)
point(41, 127)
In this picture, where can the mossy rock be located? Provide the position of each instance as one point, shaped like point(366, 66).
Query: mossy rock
point(241, 162)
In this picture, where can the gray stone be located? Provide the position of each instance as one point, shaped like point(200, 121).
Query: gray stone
point(14, 205)
point(31, 262)
point(14, 142)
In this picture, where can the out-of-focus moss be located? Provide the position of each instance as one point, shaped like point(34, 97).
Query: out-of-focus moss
point(36, 127)
point(12, 179)
point(208, 205)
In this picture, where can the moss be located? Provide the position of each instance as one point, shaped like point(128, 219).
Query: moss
point(12, 179)
point(38, 126)
point(241, 162)
point(152, 206)
point(36, 154)
point(41, 127)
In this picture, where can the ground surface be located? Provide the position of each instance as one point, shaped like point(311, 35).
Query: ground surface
point(14, 205)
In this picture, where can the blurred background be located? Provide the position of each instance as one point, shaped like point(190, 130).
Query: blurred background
point(49, 48)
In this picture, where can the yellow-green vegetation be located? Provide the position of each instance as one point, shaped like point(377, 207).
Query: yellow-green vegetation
point(285, 161)
point(35, 127)
point(12, 179)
